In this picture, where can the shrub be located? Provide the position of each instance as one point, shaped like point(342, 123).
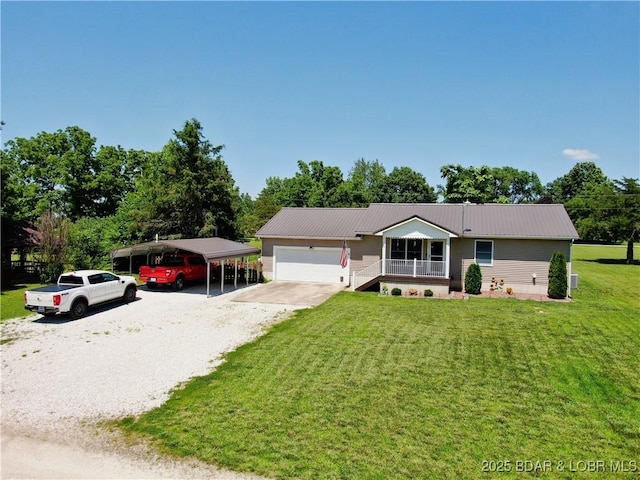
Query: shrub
point(413, 292)
point(396, 292)
point(557, 276)
point(473, 279)
point(428, 292)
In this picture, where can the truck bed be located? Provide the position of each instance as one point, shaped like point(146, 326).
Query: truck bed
point(54, 288)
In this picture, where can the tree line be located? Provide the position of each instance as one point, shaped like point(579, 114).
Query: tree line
point(101, 198)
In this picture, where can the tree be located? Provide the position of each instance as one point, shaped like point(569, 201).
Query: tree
point(264, 207)
point(473, 279)
point(516, 186)
point(186, 190)
point(52, 238)
point(91, 240)
point(466, 184)
point(608, 212)
point(627, 222)
point(368, 182)
point(404, 185)
point(557, 276)
point(568, 186)
point(485, 184)
point(62, 172)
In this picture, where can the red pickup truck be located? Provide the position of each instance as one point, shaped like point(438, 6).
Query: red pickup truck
point(175, 270)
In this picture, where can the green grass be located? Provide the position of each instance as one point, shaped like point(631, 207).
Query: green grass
point(12, 302)
point(370, 387)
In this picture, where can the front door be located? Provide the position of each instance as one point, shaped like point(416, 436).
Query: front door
point(436, 257)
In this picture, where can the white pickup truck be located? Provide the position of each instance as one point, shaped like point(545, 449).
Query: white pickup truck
point(75, 292)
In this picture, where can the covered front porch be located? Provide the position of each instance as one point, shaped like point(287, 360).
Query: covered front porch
point(415, 251)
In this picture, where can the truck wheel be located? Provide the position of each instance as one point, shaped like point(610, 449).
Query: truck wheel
point(151, 285)
point(129, 294)
point(79, 309)
point(179, 283)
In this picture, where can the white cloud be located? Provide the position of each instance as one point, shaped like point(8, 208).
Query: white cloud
point(580, 154)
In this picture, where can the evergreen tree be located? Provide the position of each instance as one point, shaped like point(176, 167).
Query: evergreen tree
point(473, 279)
point(557, 276)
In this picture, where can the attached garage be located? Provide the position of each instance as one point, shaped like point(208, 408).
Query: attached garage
point(309, 264)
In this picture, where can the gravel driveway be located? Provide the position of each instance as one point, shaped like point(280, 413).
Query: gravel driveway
point(61, 377)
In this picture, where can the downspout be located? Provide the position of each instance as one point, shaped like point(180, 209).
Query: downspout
point(570, 266)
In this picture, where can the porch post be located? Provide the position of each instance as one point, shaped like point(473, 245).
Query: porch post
point(222, 275)
point(384, 254)
point(447, 258)
point(415, 267)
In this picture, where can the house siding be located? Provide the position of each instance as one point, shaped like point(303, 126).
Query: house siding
point(362, 252)
point(514, 261)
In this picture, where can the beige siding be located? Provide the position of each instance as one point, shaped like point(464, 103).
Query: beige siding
point(363, 252)
point(516, 262)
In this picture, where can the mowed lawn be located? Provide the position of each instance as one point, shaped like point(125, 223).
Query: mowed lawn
point(371, 387)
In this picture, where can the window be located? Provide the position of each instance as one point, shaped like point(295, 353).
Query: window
point(172, 262)
point(484, 252)
point(196, 260)
point(403, 249)
point(109, 277)
point(398, 247)
point(95, 279)
point(71, 280)
point(414, 249)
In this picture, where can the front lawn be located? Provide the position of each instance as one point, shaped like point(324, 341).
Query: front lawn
point(370, 387)
point(12, 302)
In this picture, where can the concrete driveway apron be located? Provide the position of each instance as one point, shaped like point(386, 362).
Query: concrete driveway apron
point(291, 293)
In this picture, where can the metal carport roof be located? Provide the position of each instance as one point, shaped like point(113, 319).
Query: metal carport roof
point(213, 248)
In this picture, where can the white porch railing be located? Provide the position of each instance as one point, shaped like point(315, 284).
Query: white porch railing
point(366, 275)
point(403, 268)
point(415, 268)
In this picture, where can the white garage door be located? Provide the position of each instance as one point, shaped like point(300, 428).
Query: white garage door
point(304, 264)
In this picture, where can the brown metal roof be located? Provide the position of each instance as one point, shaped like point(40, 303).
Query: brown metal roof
point(213, 248)
point(337, 223)
point(485, 220)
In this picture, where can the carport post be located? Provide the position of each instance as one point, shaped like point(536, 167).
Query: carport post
point(222, 275)
point(235, 276)
point(208, 277)
point(130, 263)
point(246, 269)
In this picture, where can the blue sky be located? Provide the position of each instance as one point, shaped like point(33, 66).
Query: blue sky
point(536, 86)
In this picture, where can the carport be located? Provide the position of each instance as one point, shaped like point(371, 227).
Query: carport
point(211, 249)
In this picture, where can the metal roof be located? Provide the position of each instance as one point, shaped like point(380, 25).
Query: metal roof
point(213, 248)
point(292, 222)
point(471, 220)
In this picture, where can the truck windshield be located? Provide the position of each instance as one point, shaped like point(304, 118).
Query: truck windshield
point(71, 280)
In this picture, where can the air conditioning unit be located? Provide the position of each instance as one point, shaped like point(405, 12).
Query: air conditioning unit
point(574, 281)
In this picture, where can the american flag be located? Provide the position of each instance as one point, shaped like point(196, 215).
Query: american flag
point(343, 255)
